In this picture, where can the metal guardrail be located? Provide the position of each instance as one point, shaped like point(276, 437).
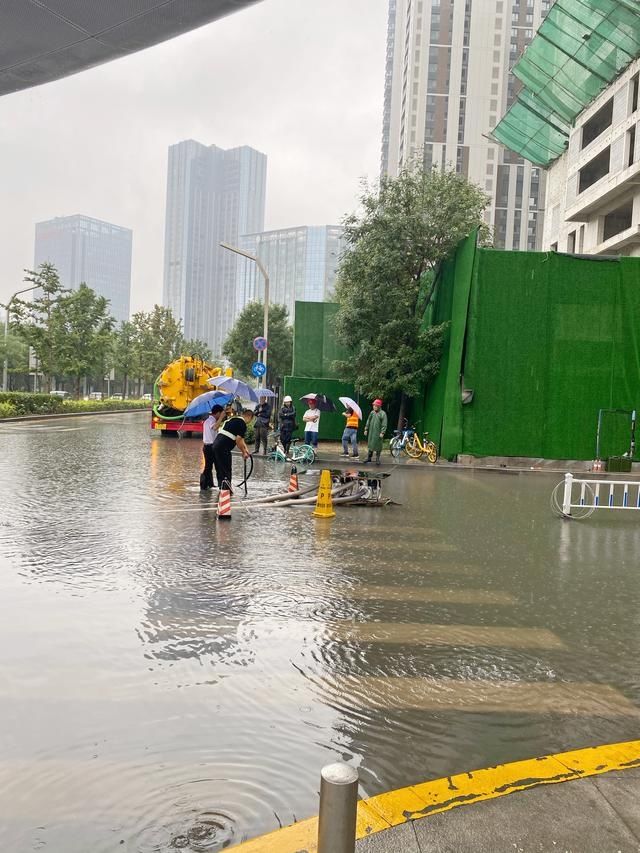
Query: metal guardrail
point(582, 497)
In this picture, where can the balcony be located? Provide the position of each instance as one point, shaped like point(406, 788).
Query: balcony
point(603, 192)
point(612, 246)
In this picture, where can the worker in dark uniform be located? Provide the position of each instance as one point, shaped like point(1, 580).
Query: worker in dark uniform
point(263, 416)
point(231, 434)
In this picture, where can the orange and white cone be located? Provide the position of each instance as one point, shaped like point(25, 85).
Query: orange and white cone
point(293, 480)
point(224, 502)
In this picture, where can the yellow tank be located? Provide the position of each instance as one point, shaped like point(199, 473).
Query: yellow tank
point(184, 379)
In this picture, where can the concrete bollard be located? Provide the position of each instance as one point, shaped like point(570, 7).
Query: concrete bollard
point(338, 808)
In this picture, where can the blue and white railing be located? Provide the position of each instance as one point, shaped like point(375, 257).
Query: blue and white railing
point(579, 498)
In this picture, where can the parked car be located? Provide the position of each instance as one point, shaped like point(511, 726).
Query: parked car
point(146, 396)
point(116, 397)
point(95, 395)
point(61, 394)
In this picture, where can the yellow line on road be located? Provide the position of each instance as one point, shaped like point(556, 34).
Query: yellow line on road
point(418, 801)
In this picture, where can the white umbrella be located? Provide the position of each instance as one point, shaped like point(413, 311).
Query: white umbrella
point(348, 403)
point(234, 386)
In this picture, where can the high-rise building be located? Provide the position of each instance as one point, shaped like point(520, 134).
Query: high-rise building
point(302, 264)
point(447, 82)
point(88, 250)
point(213, 195)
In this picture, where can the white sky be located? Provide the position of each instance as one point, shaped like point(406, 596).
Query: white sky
point(300, 80)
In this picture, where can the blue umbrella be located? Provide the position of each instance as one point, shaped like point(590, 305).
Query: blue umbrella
point(265, 392)
point(201, 405)
point(234, 386)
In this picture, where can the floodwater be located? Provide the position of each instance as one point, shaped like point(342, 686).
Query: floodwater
point(170, 683)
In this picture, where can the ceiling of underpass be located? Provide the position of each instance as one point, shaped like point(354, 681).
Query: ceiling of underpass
point(44, 40)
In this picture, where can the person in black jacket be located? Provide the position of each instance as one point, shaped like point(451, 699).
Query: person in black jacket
point(231, 434)
point(261, 429)
point(286, 423)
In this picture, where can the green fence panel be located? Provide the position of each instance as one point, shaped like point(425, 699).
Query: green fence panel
point(315, 348)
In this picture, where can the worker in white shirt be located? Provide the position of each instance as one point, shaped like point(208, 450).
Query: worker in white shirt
point(209, 433)
point(311, 420)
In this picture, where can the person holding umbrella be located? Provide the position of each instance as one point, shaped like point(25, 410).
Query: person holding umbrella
point(209, 433)
point(263, 416)
point(311, 420)
point(375, 429)
point(353, 414)
point(286, 423)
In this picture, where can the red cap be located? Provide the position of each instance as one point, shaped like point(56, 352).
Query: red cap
point(377, 402)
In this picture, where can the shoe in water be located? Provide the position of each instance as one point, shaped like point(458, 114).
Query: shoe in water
point(344, 456)
point(377, 461)
point(356, 458)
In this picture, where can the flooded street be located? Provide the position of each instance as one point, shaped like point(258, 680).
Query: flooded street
point(172, 683)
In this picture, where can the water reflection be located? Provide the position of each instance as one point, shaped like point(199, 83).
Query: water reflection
point(174, 683)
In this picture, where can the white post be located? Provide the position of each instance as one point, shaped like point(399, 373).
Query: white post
point(566, 500)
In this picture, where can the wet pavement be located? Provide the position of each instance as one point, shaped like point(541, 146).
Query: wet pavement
point(170, 683)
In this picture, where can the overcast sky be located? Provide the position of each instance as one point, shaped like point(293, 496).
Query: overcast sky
point(300, 80)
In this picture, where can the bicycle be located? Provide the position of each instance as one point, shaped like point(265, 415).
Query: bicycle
point(400, 439)
point(299, 454)
point(415, 448)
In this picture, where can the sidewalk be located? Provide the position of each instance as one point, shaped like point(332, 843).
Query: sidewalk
point(600, 814)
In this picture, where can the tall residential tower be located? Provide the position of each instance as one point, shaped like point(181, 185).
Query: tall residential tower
point(213, 195)
point(447, 83)
point(88, 250)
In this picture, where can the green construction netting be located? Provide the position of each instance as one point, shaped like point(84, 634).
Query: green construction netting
point(549, 341)
point(579, 49)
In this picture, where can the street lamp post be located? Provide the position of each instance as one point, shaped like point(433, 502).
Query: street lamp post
point(7, 307)
point(265, 323)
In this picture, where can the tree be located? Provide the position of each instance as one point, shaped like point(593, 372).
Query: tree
point(124, 354)
point(196, 348)
point(238, 346)
point(386, 279)
point(33, 320)
point(158, 338)
point(17, 353)
point(82, 327)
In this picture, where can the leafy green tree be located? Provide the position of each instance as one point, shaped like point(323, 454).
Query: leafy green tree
point(17, 352)
point(82, 334)
point(196, 347)
point(33, 320)
point(238, 346)
point(124, 355)
point(406, 226)
point(158, 338)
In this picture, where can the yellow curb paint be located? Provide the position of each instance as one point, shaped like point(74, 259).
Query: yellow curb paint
point(418, 801)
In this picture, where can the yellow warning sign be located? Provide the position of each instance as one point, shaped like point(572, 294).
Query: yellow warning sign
point(324, 502)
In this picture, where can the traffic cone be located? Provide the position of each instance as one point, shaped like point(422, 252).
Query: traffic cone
point(224, 502)
point(324, 502)
point(293, 480)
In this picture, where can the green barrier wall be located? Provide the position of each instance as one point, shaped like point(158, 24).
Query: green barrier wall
point(547, 340)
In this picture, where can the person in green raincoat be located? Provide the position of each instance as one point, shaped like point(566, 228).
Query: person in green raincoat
point(374, 431)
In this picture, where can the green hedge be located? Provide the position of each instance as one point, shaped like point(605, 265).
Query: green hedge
point(17, 404)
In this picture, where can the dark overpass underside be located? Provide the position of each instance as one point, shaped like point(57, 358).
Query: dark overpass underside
point(44, 40)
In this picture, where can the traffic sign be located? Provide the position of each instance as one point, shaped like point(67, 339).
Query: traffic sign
point(259, 344)
point(258, 369)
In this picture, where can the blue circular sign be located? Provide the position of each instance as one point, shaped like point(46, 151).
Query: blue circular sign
point(258, 369)
point(260, 344)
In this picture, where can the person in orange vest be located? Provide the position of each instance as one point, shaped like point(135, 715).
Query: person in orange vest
point(350, 434)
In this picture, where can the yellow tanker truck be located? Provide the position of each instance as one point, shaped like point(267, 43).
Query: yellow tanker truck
point(178, 384)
